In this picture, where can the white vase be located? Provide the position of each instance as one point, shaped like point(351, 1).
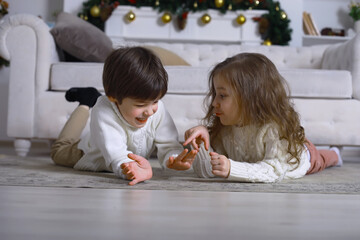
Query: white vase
point(357, 26)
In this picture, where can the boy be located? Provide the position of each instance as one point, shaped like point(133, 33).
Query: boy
point(127, 124)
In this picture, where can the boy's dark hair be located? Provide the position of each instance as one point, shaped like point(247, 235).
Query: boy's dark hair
point(134, 72)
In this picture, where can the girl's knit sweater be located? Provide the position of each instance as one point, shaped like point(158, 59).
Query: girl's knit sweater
point(255, 154)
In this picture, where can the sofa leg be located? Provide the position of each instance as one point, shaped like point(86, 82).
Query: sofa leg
point(22, 147)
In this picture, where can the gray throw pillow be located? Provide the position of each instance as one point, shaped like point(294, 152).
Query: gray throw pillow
point(80, 38)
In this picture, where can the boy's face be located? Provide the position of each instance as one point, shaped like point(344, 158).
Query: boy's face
point(136, 112)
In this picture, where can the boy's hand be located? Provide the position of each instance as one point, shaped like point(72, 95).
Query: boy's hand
point(183, 161)
point(220, 165)
point(196, 136)
point(137, 171)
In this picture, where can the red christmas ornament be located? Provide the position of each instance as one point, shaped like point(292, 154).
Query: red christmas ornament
point(184, 15)
point(116, 4)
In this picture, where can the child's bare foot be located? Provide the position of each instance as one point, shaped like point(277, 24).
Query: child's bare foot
point(137, 171)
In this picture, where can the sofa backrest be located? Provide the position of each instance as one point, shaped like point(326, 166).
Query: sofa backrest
point(197, 54)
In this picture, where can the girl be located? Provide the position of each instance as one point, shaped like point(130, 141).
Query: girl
point(255, 132)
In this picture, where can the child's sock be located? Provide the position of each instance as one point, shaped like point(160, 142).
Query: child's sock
point(85, 96)
point(340, 161)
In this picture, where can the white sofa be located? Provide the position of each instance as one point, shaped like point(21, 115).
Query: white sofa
point(324, 81)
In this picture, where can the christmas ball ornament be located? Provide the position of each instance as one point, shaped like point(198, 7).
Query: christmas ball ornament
point(130, 16)
point(257, 2)
point(166, 18)
point(283, 15)
point(157, 3)
point(219, 3)
point(267, 42)
point(230, 7)
point(241, 19)
point(95, 11)
point(206, 18)
point(195, 5)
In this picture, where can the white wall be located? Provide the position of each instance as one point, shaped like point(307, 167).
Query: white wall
point(294, 13)
point(330, 13)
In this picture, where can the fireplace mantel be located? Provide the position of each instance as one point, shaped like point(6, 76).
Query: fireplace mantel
point(148, 26)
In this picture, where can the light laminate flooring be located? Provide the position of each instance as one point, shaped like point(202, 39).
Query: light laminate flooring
point(43, 213)
point(69, 213)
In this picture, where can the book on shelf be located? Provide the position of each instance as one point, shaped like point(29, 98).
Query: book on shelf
point(309, 25)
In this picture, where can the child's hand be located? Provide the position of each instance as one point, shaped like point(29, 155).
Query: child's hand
point(183, 161)
point(196, 136)
point(220, 165)
point(137, 171)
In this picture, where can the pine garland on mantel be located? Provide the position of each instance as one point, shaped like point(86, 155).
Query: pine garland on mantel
point(273, 26)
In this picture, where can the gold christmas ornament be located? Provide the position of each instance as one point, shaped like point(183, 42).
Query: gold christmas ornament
point(267, 42)
point(219, 3)
point(166, 18)
point(257, 2)
point(241, 19)
point(130, 16)
point(84, 17)
point(283, 15)
point(157, 3)
point(95, 11)
point(230, 7)
point(195, 5)
point(206, 18)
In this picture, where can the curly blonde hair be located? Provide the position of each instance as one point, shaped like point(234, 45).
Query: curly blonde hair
point(262, 96)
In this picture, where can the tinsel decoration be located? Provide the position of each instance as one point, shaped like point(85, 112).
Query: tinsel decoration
point(273, 25)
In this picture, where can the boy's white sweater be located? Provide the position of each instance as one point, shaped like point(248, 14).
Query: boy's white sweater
point(111, 138)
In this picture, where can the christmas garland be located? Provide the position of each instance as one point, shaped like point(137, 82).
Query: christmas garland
point(273, 26)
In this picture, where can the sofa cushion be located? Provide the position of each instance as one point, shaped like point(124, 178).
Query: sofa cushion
point(167, 57)
point(303, 83)
point(314, 83)
point(81, 39)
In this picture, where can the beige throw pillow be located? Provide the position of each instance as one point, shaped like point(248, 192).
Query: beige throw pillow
point(167, 57)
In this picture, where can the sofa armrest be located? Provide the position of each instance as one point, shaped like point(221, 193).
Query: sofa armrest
point(26, 42)
point(345, 56)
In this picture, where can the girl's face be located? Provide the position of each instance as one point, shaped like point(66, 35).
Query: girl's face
point(136, 112)
point(225, 104)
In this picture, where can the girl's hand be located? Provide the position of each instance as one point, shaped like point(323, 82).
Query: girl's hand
point(196, 136)
point(183, 161)
point(137, 171)
point(220, 165)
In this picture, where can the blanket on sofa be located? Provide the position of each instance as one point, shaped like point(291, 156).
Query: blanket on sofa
point(41, 172)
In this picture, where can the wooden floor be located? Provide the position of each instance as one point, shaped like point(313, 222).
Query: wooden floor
point(73, 213)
